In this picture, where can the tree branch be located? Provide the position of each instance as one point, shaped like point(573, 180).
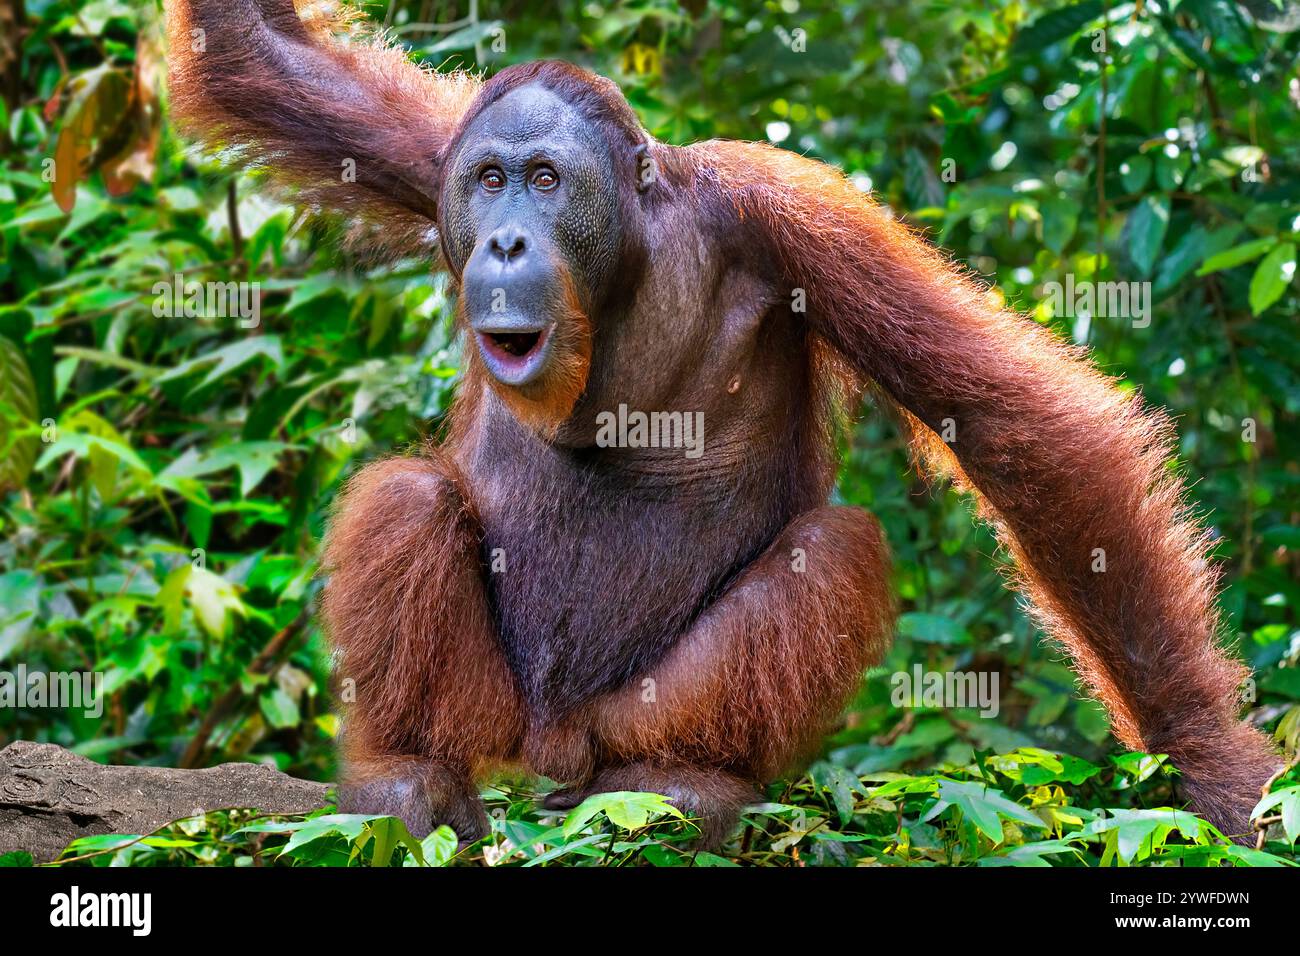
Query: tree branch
point(50, 796)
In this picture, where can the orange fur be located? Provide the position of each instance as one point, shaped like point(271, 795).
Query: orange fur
point(1066, 465)
point(407, 609)
point(300, 97)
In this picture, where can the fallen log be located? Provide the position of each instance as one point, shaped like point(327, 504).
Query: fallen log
point(50, 796)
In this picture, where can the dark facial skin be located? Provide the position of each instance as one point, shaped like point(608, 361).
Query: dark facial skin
point(530, 222)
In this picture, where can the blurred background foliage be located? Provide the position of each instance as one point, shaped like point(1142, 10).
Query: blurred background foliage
point(164, 480)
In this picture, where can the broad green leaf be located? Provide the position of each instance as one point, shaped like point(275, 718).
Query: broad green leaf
point(1236, 255)
point(439, 846)
point(312, 288)
point(388, 833)
point(1287, 802)
point(1171, 170)
point(213, 599)
point(1056, 25)
point(1145, 231)
point(349, 826)
point(228, 359)
point(1133, 834)
point(1060, 220)
point(1134, 172)
point(1252, 857)
point(983, 806)
point(99, 842)
point(253, 459)
point(841, 785)
point(1034, 767)
point(102, 453)
point(627, 809)
point(279, 709)
point(1272, 276)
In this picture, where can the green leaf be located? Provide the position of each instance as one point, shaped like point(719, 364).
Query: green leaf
point(583, 847)
point(1171, 170)
point(20, 599)
point(1135, 834)
point(1272, 276)
point(88, 436)
point(1288, 801)
point(349, 826)
point(1236, 255)
point(841, 785)
point(1030, 854)
point(1252, 857)
point(168, 842)
point(1138, 766)
point(18, 410)
point(228, 359)
point(921, 182)
point(932, 628)
point(1145, 231)
point(983, 806)
point(1034, 767)
point(1134, 172)
point(1054, 26)
point(279, 709)
point(253, 459)
point(627, 809)
point(466, 37)
point(439, 846)
point(213, 599)
point(1060, 221)
point(310, 289)
point(388, 833)
point(99, 842)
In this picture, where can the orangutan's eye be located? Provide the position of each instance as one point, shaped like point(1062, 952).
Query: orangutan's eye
point(545, 179)
point(492, 179)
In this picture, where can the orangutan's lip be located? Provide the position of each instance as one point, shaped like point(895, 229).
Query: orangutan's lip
point(514, 356)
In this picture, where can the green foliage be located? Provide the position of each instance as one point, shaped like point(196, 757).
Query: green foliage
point(1029, 807)
point(164, 478)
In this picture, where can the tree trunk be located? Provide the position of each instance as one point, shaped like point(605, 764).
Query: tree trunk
point(50, 796)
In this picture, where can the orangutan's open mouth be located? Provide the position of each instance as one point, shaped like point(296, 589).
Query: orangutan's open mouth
point(518, 344)
point(514, 356)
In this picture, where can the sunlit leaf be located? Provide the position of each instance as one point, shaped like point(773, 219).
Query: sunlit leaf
point(1272, 276)
point(626, 809)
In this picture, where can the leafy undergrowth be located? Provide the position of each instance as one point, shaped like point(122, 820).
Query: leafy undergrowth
point(1029, 807)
